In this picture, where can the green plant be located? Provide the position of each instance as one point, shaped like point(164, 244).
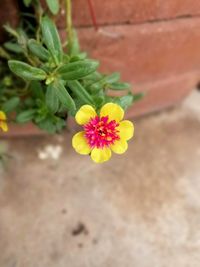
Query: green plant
point(45, 81)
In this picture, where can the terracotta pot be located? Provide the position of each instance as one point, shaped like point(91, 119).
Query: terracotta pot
point(16, 130)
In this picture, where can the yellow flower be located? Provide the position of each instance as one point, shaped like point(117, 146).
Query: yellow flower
point(102, 134)
point(3, 123)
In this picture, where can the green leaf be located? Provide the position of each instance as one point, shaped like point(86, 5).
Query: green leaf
point(25, 116)
point(138, 96)
point(125, 101)
point(51, 124)
point(11, 31)
point(119, 86)
point(4, 54)
point(112, 78)
point(109, 79)
point(29, 102)
point(26, 71)
point(52, 99)
point(27, 2)
point(11, 104)
point(60, 124)
point(63, 96)
point(66, 58)
point(80, 56)
point(99, 101)
point(77, 70)
point(74, 48)
point(80, 92)
point(93, 77)
point(38, 50)
point(53, 5)
point(47, 125)
point(13, 47)
point(52, 39)
point(37, 90)
point(22, 38)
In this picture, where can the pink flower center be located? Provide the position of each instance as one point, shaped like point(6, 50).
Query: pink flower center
point(100, 132)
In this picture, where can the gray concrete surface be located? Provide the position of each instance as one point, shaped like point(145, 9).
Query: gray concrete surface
point(138, 210)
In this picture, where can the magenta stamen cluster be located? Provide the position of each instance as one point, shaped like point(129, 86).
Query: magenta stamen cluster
point(100, 132)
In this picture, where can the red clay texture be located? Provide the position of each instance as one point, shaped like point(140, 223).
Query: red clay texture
point(148, 52)
point(130, 11)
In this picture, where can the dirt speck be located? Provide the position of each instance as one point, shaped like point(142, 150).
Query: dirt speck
point(64, 211)
point(80, 229)
point(94, 241)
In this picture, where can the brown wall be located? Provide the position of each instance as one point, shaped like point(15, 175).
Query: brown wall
point(132, 11)
point(8, 14)
point(155, 44)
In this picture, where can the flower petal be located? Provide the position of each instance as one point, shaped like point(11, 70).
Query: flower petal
point(80, 144)
point(126, 130)
point(114, 111)
point(4, 126)
point(100, 155)
point(2, 116)
point(84, 114)
point(119, 146)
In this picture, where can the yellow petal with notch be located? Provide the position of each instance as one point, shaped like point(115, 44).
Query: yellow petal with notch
point(2, 116)
point(113, 111)
point(80, 144)
point(119, 146)
point(84, 114)
point(126, 130)
point(100, 155)
point(4, 126)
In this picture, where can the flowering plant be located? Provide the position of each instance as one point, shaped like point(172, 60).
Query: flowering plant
point(46, 80)
point(102, 133)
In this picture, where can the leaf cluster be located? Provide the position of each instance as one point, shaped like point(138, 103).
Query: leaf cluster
point(48, 82)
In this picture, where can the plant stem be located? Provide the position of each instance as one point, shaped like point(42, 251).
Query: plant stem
point(69, 22)
point(93, 15)
point(38, 12)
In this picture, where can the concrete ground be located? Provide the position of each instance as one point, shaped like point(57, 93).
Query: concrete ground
point(141, 209)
